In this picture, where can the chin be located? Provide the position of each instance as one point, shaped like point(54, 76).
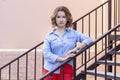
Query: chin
point(61, 25)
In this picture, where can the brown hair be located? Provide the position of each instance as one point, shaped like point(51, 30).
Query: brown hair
point(67, 13)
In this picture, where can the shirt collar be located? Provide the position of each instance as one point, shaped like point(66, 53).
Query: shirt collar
point(53, 31)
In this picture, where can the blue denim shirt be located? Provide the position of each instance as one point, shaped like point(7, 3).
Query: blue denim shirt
point(55, 46)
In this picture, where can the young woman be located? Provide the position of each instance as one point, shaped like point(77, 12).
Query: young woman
point(60, 44)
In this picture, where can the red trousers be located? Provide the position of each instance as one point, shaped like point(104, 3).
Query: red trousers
point(68, 73)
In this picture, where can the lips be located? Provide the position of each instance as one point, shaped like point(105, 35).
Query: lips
point(61, 23)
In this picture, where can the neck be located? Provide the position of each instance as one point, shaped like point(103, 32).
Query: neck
point(60, 31)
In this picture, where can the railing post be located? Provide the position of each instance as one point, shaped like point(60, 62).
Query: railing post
point(75, 25)
point(74, 60)
point(35, 64)
point(109, 27)
point(119, 13)
point(109, 14)
point(74, 67)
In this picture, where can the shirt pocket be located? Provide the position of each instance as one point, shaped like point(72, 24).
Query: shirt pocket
point(71, 42)
point(71, 38)
point(55, 43)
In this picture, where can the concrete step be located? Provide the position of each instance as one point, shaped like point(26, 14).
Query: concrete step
point(113, 52)
point(112, 37)
point(108, 62)
point(102, 74)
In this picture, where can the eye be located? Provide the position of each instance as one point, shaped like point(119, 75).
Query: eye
point(57, 16)
point(64, 16)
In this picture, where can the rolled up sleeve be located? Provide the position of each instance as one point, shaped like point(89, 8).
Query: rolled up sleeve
point(84, 39)
point(48, 55)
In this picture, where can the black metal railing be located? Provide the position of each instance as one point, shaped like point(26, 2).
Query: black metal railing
point(103, 52)
point(98, 53)
point(94, 24)
point(23, 65)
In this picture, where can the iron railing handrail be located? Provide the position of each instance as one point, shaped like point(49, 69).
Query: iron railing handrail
point(42, 41)
point(74, 25)
point(91, 11)
point(22, 55)
point(80, 52)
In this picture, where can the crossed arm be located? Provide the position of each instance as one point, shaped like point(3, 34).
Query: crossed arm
point(71, 53)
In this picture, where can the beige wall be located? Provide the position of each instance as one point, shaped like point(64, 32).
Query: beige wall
point(24, 23)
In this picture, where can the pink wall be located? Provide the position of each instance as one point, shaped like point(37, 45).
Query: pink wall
point(24, 23)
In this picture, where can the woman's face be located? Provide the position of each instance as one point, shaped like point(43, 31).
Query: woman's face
point(61, 19)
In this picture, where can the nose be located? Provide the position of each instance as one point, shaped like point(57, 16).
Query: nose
point(61, 19)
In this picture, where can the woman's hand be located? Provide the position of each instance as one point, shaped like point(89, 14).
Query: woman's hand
point(72, 52)
point(66, 57)
point(69, 55)
point(78, 47)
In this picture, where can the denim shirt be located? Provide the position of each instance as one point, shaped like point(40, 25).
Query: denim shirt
point(57, 46)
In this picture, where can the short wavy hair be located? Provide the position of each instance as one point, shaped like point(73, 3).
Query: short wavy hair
point(67, 13)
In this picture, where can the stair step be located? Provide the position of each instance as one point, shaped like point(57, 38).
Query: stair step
point(118, 30)
point(102, 74)
point(113, 52)
point(108, 62)
point(112, 37)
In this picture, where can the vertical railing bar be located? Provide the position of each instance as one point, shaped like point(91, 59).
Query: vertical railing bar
point(88, 26)
point(109, 68)
point(119, 11)
point(9, 71)
point(102, 27)
point(82, 32)
point(109, 14)
point(82, 25)
point(89, 34)
point(51, 77)
point(95, 24)
point(74, 68)
point(42, 62)
point(62, 72)
point(115, 57)
point(114, 12)
point(26, 66)
point(35, 66)
point(105, 58)
point(85, 65)
point(96, 61)
point(82, 59)
point(0, 74)
point(75, 25)
point(18, 69)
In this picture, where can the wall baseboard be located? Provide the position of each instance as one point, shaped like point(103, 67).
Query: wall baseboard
point(17, 50)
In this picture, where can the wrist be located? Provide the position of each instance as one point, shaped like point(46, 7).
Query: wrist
point(61, 59)
point(78, 48)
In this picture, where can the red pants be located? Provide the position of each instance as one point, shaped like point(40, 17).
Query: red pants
point(68, 73)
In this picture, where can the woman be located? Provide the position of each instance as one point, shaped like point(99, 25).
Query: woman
point(60, 44)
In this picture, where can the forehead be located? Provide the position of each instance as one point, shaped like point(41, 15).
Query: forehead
point(61, 13)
